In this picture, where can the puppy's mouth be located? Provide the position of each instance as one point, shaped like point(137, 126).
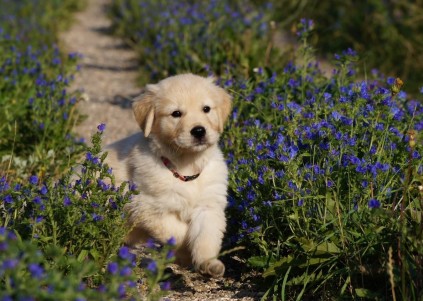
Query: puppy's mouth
point(195, 145)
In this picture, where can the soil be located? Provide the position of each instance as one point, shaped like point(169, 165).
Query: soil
point(107, 83)
point(107, 78)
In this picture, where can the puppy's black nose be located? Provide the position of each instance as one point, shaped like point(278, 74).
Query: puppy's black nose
point(198, 132)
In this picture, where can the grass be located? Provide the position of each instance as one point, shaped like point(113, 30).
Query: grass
point(386, 34)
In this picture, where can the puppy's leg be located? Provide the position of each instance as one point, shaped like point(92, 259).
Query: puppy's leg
point(205, 235)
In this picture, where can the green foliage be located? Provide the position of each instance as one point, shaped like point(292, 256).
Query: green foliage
point(325, 179)
point(387, 34)
point(71, 229)
point(181, 36)
point(37, 21)
point(37, 113)
point(28, 274)
point(326, 173)
point(155, 269)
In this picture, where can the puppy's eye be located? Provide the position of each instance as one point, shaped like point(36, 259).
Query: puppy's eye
point(206, 109)
point(176, 114)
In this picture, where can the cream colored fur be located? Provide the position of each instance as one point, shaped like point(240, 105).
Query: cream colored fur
point(191, 212)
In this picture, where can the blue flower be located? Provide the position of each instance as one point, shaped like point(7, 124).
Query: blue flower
point(390, 81)
point(124, 253)
point(126, 271)
point(37, 200)
point(43, 190)
point(170, 254)
point(152, 266)
point(9, 264)
point(92, 158)
point(36, 270)
point(3, 246)
point(336, 115)
point(121, 290)
point(96, 217)
point(112, 268)
point(33, 180)
point(101, 127)
point(66, 201)
point(165, 286)
point(373, 203)
point(8, 199)
point(171, 241)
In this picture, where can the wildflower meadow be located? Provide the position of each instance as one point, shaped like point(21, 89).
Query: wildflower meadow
point(326, 172)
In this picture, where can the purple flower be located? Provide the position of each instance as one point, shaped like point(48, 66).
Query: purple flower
point(112, 268)
point(3, 246)
point(33, 180)
point(151, 244)
point(37, 200)
point(66, 201)
point(165, 286)
point(10, 263)
point(43, 190)
point(373, 203)
point(170, 254)
point(336, 115)
point(101, 127)
point(113, 204)
point(390, 81)
point(152, 266)
point(171, 241)
point(36, 270)
point(124, 253)
point(8, 199)
point(126, 271)
point(121, 290)
point(92, 158)
point(97, 217)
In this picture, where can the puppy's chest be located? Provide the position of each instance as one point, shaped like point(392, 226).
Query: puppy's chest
point(170, 191)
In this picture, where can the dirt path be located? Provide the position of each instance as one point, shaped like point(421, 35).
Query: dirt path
point(108, 81)
point(107, 77)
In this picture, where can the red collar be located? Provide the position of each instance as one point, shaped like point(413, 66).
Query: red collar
point(169, 164)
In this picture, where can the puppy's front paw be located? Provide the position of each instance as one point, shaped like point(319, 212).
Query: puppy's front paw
point(213, 267)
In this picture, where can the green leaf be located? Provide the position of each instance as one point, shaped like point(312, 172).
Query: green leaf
point(365, 293)
point(95, 254)
point(82, 255)
point(323, 248)
point(282, 266)
point(258, 261)
point(305, 278)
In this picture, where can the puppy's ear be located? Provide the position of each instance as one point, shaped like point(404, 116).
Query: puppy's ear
point(224, 108)
point(143, 107)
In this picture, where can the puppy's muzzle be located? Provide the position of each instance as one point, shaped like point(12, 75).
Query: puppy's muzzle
point(198, 132)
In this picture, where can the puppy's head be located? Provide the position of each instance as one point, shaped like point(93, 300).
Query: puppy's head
point(186, 112)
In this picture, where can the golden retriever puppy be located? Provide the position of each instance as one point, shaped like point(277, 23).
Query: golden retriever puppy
point(178, 168)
